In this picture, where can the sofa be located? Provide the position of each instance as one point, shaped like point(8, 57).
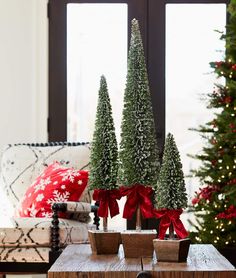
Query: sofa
point(31, 241)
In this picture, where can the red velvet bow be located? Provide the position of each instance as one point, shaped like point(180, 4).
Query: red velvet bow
point(168, 217)
point(107, 200)
point(137, 195)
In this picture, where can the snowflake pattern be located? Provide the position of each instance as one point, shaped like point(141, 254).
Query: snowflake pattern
point(80, 182)
point(40, 197)
point(42, 184)
point(70, 175)
point(32, 210)
point(47, 214)
point(58, 197)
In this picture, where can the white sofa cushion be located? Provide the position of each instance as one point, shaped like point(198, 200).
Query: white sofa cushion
point(21, 164)
point(36, 232)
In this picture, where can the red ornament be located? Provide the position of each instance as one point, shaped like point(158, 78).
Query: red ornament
point(227, 100)
point(213, 162)
point(214, 123)
point(205, 193)
point(232, 182)
point(218, 64)
point(195, 201)
point(213, 141)
point(229, 213)
point(221, 152)
point(231, 125)
point(233, 67)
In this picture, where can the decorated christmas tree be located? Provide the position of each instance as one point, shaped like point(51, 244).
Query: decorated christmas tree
point(215, 202)
point(170, 197)
point(139, 156)
point(103, 159)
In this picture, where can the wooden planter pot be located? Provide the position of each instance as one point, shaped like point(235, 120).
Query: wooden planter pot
point(138, 244)
point(104, 242)
point(171, 250)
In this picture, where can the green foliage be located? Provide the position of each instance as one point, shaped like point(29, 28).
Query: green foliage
point(139, 156)
point(215, 203)
point(104, 153)
point(170, 189)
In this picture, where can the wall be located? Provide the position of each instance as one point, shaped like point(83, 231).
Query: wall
point(23, 71)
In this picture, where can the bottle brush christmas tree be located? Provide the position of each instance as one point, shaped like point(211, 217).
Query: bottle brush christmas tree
point(104, 158)
point(139, 156)
point(215, 202)
point(170, 197)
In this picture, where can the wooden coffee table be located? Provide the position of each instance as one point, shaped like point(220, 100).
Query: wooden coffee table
point(78, 261)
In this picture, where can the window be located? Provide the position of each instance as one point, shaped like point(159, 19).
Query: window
point(94, 47)
point(160, 22)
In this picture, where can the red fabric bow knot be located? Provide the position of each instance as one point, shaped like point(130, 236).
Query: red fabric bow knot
point(137, 195)
point(167, 217)
point(107, 201)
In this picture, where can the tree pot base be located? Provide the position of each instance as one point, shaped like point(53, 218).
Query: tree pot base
point(104, 242)
point(138, 244)
point(171, 250)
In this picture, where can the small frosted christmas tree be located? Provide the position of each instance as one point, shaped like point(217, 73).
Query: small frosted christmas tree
point(171, 195)
point(139, 156)
point(103, 159)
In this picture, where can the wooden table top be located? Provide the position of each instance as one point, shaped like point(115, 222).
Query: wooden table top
point(204, 261)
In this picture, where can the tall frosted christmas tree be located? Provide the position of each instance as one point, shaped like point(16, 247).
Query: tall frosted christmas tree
point(171, 197)
point(215, 202)
point(104, 158)
point(139, 156)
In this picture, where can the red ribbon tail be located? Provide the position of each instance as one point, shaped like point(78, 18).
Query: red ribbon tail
point(179, 229)
point(103, 209)
point(129, 210)
point(163, 226)
point(114, 207)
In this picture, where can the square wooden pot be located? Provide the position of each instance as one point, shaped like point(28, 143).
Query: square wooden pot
point(171, 250)
point(138, 243)
point(104, 242)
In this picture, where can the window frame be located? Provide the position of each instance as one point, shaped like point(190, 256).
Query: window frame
point(151, 16)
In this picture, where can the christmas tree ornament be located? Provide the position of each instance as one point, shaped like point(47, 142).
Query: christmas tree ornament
point(103, 174)
point(170, 200)
point(139, 155)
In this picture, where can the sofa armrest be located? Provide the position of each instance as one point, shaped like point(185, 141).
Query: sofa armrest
point(72, 207)
point(75, 207)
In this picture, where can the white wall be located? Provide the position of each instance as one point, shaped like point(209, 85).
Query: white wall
point(23, 71)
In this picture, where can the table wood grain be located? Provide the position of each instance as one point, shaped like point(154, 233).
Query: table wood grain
point(204, 261)
point(78, 261)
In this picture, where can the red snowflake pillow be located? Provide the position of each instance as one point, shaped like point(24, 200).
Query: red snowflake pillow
point(55, 184)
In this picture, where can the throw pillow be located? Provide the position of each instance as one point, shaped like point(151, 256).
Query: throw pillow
point(56, 184)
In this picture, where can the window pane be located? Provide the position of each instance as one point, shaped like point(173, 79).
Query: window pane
point(191, 43)
point(96, 45)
